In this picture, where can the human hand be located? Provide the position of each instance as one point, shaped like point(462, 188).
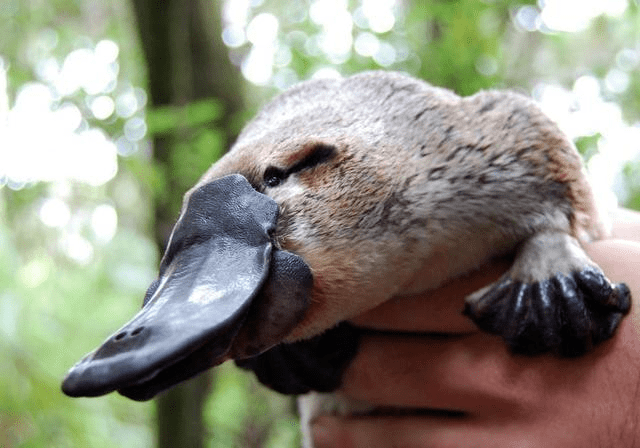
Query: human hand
point(485, 396)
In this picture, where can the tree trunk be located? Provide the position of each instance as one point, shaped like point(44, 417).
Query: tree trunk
point(187, 62)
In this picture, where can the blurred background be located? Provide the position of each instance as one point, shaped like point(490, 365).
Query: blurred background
point(111, 109)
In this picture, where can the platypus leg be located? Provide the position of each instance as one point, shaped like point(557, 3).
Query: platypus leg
point(553, 299)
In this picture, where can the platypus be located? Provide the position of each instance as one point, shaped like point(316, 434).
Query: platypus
point(341, 194)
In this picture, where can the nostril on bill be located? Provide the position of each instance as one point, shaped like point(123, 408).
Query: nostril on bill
point(120, 336)
point(124, 334)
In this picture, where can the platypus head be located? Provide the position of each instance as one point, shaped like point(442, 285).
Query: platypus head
point(304, 223)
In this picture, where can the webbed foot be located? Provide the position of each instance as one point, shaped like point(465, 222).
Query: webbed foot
point(314, 364)
point(568, 311)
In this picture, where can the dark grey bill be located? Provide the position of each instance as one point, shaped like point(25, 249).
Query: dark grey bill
point(219, 266)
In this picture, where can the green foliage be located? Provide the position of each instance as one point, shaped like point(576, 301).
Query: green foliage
point(245, 414)
point(189, 160)
point(168, 119)
point(46, 322)
point(631, 184)
point(53, 308)
point(196, 142)
point(458, 42)
point(588, 145)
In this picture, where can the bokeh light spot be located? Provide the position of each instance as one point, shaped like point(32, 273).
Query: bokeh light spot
point(102, 107)
point(55, 213)
point(104, 223)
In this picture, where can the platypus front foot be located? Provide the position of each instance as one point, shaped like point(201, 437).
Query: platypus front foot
point(553, 299)
point(315, 364)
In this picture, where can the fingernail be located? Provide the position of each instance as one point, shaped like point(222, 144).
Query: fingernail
point(324, 432)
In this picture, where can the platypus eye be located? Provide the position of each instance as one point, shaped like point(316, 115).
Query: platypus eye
point(318, 154)
point(274, 176)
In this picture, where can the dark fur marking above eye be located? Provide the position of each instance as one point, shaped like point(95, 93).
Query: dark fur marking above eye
point(321, 153)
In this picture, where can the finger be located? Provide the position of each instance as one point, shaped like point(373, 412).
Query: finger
point(388, 432)
point(474, 374)
point(423, 432)
point(437, 311)
point(471, 373)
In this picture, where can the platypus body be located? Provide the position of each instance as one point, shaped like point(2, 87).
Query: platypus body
point(342, 194)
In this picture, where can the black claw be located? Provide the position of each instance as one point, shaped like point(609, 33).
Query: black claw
point(615, 297)
point(489, 312)
point(565, 315)
point(595, 285)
